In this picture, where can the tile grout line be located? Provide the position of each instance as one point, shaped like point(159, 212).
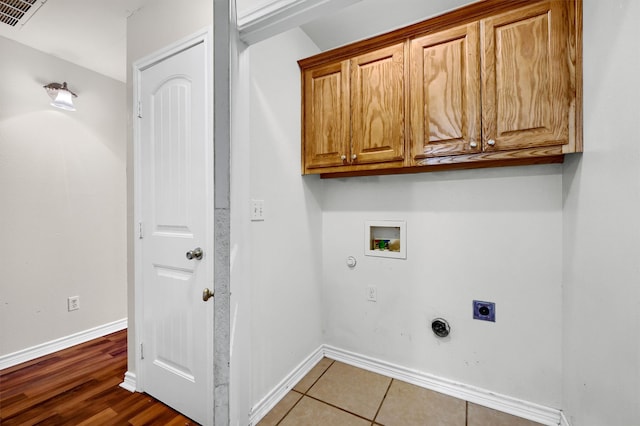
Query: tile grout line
point(382, 402)
point(372, 421)
point(292, 407)
point(304, 393)
point(338, 408)
point(319, 377)
point(328, 403)
point(466, 413)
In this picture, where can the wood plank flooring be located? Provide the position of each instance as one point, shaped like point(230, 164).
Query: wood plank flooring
point(79, 386)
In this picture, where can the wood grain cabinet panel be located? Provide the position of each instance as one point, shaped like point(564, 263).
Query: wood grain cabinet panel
point(326, 116)
point(445, 93)
point(525, 78)
point(377, 106)
point(353, 112)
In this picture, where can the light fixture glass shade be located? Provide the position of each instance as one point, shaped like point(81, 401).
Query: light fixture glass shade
point(63, 100)
point(61, 96)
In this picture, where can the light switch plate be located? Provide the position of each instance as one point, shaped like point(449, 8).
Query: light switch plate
point(257, 210)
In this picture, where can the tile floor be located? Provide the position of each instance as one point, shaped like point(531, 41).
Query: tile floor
point(334, 393)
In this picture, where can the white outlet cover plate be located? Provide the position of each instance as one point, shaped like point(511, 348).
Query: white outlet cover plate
point(372, 293)
point(257, 210)
point(73, 303)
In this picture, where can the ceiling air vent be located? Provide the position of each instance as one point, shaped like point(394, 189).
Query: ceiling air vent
point(13, 12)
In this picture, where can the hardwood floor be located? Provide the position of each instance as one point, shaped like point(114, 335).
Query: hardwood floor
point(79, 386)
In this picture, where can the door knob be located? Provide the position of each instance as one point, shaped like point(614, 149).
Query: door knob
point(491, 142)
point(196, 253)
point(473, 144)
point(207, 294)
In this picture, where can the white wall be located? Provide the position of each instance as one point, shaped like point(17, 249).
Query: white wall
point(286, 247)
point(240, 310)
point(491, 235)
point(601, 227)
point(155, 26)
point(62, 186)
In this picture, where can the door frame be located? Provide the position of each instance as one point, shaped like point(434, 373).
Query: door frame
point(204, 36)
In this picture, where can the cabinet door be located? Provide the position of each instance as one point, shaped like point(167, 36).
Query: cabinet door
point(525, 80)
point(326, 116)
point(445, 93)
point(377, 106)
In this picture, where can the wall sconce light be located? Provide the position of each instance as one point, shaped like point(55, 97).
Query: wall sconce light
point(61, 96)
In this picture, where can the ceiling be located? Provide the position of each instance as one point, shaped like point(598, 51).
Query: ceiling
point(92, 33)
point(89, 33)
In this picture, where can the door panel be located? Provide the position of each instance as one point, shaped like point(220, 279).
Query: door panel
point(176, 191)
point(171, 162)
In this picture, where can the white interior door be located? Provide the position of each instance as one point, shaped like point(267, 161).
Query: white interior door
point(176, 191)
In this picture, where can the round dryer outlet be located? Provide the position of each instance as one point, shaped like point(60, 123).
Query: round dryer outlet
point(440, 327)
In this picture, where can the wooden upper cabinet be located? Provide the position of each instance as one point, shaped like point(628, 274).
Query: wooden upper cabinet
point(525, 78)
point(353, 112)
point(326, 116)
point(377, 106)
point(491, 84)
point(445, 93)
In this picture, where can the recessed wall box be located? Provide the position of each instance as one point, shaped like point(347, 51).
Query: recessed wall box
point(385, 238)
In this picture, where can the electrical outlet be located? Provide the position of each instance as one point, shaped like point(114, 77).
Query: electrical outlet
point(73, 303)
point(372, 293)
point(484, 311)
point(257, 210)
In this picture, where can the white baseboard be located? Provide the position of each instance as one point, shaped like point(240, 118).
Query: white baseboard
point(517, 407)
point(484, 397)
point(130, 381)
point(272, 398)
point(47, 348)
